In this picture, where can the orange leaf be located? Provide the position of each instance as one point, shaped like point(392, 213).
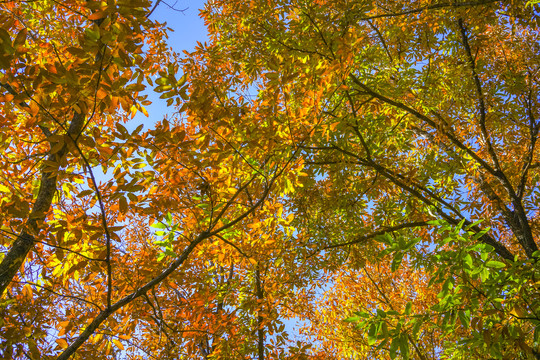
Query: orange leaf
point(118, 344)
point(101, 94)
point(97, 15)
point(62, 343)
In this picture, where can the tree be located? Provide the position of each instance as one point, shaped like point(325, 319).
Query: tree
point(387, 159)
point(421, 169)
point(83, 268)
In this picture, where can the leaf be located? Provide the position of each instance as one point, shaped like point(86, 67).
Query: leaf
point(408, 308)
point(20, 39)
point(394, 346)
point(398, 257)
point(59, 254)
point(97, 15)
point(85, 193)
point(5, 42)
point(143, 109)
point(34, 350)
point(372, 334)
point(182, 81)
point(404, 346)
point(62, 343)
point(92, 34)
point(467, 259)
point(118, 344)
point(123, 205)
point(159, 225)
point(495, 264)
point(464, 319)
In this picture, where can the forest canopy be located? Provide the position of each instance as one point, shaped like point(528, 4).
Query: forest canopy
point(368, 169)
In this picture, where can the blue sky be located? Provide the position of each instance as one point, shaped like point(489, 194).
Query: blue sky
point(188, 26)
point(188, 29)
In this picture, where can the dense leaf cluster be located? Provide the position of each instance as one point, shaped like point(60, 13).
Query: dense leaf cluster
point(367, 168)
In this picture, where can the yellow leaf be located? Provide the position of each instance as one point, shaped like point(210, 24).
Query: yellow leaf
point(97, 338)
point(144, 111)
point(118, 344)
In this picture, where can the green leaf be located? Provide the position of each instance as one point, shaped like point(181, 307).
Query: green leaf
point(5, 42)
point(404, 346)
point(398, 257)
point(467, 260)
point(92, 34)
point(479, 234)
point(158, 225)
point(416, 327)
point(162, 81)
point(394, 346)
point(463, 318)
point(408, 308)
point(495, 264)
point(21, 38)
point(372, 334)
point(460, 225)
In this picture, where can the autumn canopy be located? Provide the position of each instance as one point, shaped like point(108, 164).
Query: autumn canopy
point(366, 169)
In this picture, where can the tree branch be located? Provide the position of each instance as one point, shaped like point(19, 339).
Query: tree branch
point(26, 239)
point(362, 238)
point(430, 7)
